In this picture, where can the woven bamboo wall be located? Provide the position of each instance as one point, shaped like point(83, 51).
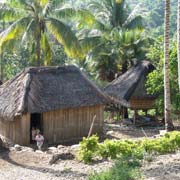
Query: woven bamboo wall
point(71, 124)
point(17, 131)
point(142, 103)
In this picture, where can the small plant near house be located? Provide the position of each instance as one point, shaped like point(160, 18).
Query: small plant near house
point(114, 149)
point(166, 144)
point(88, 148)
point(125, 168)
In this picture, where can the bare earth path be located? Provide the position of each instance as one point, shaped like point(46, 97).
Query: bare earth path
point(32, 165)
point(164, 167)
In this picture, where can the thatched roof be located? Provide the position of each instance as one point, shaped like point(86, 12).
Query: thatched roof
point(43, 89)
point(131, 84)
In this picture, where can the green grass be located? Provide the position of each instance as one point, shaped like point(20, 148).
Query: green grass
point(124, 169)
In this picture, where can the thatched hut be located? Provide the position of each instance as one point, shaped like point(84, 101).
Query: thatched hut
point(129, 89)
point(60, 101)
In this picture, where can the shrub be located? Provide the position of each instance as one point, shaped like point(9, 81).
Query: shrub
point(124, 169)
point(88, 148)
point(108, 149)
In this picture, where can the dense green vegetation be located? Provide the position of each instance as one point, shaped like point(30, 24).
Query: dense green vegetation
point(103, 42)
point(153, 13)
point(128, 153)
point(155, 80)
point(91, 148)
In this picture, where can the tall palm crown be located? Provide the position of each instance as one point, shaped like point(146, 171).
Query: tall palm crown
point(116, 13)
point(121, 36)
point(33, 20)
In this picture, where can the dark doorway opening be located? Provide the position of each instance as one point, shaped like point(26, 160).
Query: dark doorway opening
point(36, 123)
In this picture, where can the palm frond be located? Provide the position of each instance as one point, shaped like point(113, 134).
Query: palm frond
point(65, 36)
point(29, 30)
point(46, 8)
point(18, 4)
point(43, 3)
point(47, 51)
point(88, 43)
point(134, 19)
point(9, 14)
point(136, 22)
point(81, 14)
point(13, 31)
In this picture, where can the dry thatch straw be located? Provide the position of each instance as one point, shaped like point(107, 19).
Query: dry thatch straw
point(42, 89)
point(131, 84)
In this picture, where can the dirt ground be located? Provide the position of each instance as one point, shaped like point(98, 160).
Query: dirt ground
point(30, 165)
point(164, 167)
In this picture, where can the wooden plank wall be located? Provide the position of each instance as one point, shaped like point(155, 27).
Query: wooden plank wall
point(17, 131)
point(70, 124)
point(142, 103)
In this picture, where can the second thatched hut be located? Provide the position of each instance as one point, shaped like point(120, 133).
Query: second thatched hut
point(129, 89)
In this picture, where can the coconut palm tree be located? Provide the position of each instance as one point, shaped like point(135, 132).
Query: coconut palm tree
point(32, 20)
point(2, 57)
point(116, 14)
point(118, 28)
point(167, 100)
point(116, 53)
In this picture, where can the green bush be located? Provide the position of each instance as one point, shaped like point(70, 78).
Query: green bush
point(124, 169)
point(108, 149)
point(167, 144)
point(114, 149)
point(90, 147)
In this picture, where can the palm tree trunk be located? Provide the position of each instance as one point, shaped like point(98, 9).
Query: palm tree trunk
point(178, 41)
point(38, 51)
point(167, 100)
point(2, 56)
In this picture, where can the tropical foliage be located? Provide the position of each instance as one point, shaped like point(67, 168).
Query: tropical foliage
point(31, 21)
point(153, 14)
point(115, 149)
point(118, 28)
point(155, 83)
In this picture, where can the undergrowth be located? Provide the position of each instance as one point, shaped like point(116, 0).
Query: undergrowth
point(123, 169)
point(113, 149)
point(128, 154)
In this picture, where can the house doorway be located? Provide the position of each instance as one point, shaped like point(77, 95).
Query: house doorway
point(36, 123)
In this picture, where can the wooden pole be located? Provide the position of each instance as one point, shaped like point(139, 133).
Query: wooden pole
point(91, 128)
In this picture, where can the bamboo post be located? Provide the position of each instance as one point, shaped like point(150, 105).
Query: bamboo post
point(91, 127)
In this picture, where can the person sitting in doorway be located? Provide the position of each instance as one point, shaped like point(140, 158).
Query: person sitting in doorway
point(33, 134)
point(40, 140)
point(37, 131)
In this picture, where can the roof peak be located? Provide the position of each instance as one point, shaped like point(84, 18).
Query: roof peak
point(51, 69)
